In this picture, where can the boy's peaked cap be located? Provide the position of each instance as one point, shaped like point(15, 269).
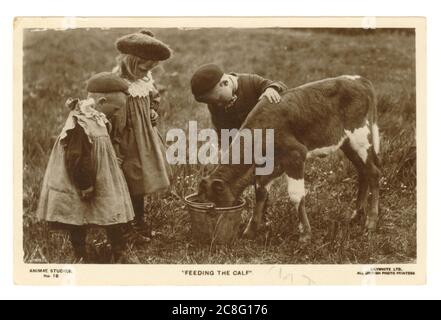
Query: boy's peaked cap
point(205, 78)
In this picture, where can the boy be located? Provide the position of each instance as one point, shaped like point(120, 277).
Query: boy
point(231, 97)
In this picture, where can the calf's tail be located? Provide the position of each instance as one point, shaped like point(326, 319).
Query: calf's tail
point(375, 131)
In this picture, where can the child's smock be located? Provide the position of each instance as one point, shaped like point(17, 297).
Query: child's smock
point(60, 199)
point(140, 145)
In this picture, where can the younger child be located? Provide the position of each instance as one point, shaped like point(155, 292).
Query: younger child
point(83, 184)
point(231, 97)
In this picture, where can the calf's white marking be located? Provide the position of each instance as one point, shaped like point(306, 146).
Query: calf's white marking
point(296, 190)
point(359, 141)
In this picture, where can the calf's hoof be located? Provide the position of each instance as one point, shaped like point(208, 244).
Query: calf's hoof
point(251, 230)
point(371, 224)
point(356, 217)
point(250, 233)
point(305, 238)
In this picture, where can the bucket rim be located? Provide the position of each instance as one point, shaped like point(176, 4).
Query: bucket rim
point(211, 205)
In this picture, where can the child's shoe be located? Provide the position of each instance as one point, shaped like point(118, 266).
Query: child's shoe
point(80, 254)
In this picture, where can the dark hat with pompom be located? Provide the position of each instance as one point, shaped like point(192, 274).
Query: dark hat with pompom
point(143, 45)
point(147, 32)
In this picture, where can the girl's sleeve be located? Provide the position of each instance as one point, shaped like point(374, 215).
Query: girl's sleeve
point(78, 159)
point(118, 122)
point(155, 98)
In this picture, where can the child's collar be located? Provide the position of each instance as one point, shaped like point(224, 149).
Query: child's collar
point(87, 108)
point(234, 79)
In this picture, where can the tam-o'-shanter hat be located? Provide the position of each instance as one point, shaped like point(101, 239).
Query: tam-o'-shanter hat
point(143, 45)
point(106, 82)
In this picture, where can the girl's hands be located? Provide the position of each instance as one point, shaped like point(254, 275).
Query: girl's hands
point(154, 117)
point(272, 95)
point(120, 161)
point(87, 194)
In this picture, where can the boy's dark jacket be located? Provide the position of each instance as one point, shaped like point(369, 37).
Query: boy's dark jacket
point(250, 88)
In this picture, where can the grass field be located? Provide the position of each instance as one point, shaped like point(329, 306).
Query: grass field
point(57, 64)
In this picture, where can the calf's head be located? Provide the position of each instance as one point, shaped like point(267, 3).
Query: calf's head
point(216, 191)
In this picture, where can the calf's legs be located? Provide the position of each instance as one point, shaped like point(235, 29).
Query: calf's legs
point(368, 180)
point(295, 169)
point(374, 185)
point(263, 186)
point(296, 191)
point(363, 181)
point(259, 211)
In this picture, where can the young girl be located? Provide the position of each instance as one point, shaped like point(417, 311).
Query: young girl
point(136, 139)
point(83, 184)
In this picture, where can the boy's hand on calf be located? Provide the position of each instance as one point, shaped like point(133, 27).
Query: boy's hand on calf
point(272, 95)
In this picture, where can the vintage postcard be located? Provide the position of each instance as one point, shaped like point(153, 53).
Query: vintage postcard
point(220, 151)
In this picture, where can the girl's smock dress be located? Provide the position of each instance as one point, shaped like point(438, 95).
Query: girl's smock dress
point(60, 199)
point(138, 143)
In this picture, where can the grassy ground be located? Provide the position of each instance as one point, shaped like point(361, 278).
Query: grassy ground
point(57, 64)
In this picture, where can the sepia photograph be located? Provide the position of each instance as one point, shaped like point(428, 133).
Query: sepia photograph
point(204, 145)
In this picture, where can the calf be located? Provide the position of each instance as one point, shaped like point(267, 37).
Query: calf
point(311, 120)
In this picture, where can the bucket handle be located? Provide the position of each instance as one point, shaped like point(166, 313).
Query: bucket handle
point(208, 206)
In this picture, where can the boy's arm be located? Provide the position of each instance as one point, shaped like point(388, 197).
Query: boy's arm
point(217, 122)
point(217, 127)
point(78, 160)
point(261, 84)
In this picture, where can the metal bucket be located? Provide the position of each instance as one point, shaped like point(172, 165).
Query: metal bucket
point(213, 225)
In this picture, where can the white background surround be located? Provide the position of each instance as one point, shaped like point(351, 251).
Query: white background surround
point(228, 8)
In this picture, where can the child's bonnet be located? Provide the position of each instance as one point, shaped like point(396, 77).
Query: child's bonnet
point(93, 122)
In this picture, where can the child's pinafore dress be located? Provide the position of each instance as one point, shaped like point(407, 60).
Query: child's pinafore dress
point(60, 199)
point(141, 146)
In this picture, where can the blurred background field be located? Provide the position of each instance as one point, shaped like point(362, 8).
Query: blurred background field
point(58, 63)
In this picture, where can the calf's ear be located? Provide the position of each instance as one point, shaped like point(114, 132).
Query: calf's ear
point(218, 185)
point(203, 186)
